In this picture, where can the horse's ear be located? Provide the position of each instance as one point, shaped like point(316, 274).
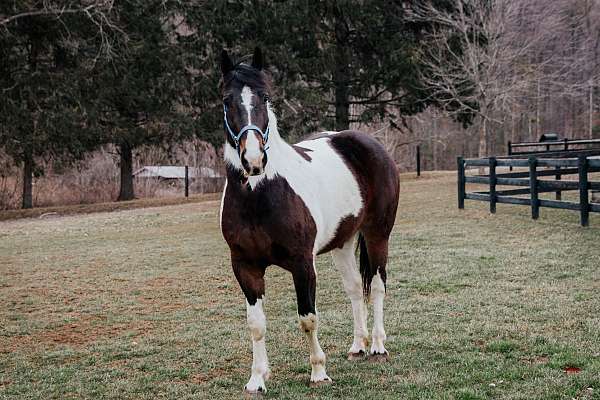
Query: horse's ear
point(257, 59)
point(226, 63)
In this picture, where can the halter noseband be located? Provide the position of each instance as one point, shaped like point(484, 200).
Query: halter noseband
point(249, 127)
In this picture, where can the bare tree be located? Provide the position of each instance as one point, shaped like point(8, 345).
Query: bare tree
point(491, 70)
point(94, 10)
point(97, 12)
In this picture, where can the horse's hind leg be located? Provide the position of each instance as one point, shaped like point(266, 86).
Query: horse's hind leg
point(345, 261)
point(377, 252)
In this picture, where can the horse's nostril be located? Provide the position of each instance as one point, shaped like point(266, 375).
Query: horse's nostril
point(255, 171)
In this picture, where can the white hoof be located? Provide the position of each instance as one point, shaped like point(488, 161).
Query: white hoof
point(322, 381)
point(319, 376)
point(359, 346)
point(256, 385)
point(377, 346)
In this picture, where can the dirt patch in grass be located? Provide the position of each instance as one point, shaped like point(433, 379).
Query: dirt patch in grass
point(535, 360)
point(79, 333)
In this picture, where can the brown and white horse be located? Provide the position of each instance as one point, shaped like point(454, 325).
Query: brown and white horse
point(284, 204)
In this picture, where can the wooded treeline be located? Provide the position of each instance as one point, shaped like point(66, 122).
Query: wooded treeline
point(82, 78)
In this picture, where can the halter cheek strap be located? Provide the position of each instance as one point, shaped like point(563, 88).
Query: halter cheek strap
point(249, 127)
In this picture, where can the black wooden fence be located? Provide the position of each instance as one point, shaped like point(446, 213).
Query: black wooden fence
point(529, 182)
point(550, 147)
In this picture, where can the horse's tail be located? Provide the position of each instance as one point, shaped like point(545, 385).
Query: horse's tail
point(364, 266)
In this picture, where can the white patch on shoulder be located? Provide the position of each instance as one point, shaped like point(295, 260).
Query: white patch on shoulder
point(329, 132)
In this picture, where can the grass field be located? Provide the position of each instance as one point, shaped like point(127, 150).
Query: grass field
point(142, 304)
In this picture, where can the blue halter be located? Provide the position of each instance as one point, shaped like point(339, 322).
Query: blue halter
point(249, 127)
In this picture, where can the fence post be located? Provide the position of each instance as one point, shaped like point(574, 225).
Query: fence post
point(584, 204)
point(566, 144)
point(558, 177)
point(418, 160)
point(533, 188)
point(493, 197)
point(187, 181)
point(510, 153)
point(461, 182)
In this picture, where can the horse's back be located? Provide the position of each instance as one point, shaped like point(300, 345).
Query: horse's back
point(369, 161)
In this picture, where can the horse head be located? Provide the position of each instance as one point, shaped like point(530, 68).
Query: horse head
point(246, 89)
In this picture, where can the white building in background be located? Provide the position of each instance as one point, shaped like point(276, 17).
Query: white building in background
point(173, 172)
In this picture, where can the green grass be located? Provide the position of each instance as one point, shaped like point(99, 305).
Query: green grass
point(142, 304)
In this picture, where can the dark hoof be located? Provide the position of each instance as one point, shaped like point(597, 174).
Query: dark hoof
point(378, 357)
point(325, 382)
point(357, 356)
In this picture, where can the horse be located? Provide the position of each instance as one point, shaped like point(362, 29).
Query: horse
point(284, 204)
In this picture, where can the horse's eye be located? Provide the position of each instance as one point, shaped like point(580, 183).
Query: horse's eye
point(266, 98)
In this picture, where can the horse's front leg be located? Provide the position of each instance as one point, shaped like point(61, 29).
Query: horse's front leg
point(251, 280)
point(305, 282)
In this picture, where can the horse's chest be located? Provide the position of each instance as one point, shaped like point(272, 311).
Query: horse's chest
point(266, 222)
point(242, 228)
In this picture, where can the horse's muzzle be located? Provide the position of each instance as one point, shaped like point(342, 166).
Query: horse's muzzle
point(254, 166)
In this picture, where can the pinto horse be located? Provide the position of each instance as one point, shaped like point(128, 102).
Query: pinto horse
point(284, 204)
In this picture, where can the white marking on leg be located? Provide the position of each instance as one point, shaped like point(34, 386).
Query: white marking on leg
point(309, 325)
point(345, 260)
point(260, 364)
point(378, 334)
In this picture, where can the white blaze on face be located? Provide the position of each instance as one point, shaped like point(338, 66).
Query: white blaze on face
point(253, 152)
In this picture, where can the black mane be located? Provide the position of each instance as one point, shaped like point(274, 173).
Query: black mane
point(246, 75)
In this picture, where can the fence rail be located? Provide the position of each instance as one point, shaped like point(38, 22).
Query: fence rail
point(562, 145)
point(530, 183)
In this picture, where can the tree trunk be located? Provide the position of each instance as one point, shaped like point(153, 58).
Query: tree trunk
point(483, 143)
point(434, 145)
point(28, 180)
point(483, 139)
point(126, 166)
point(341, 73)
point(537, 111)
point(591, 123)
